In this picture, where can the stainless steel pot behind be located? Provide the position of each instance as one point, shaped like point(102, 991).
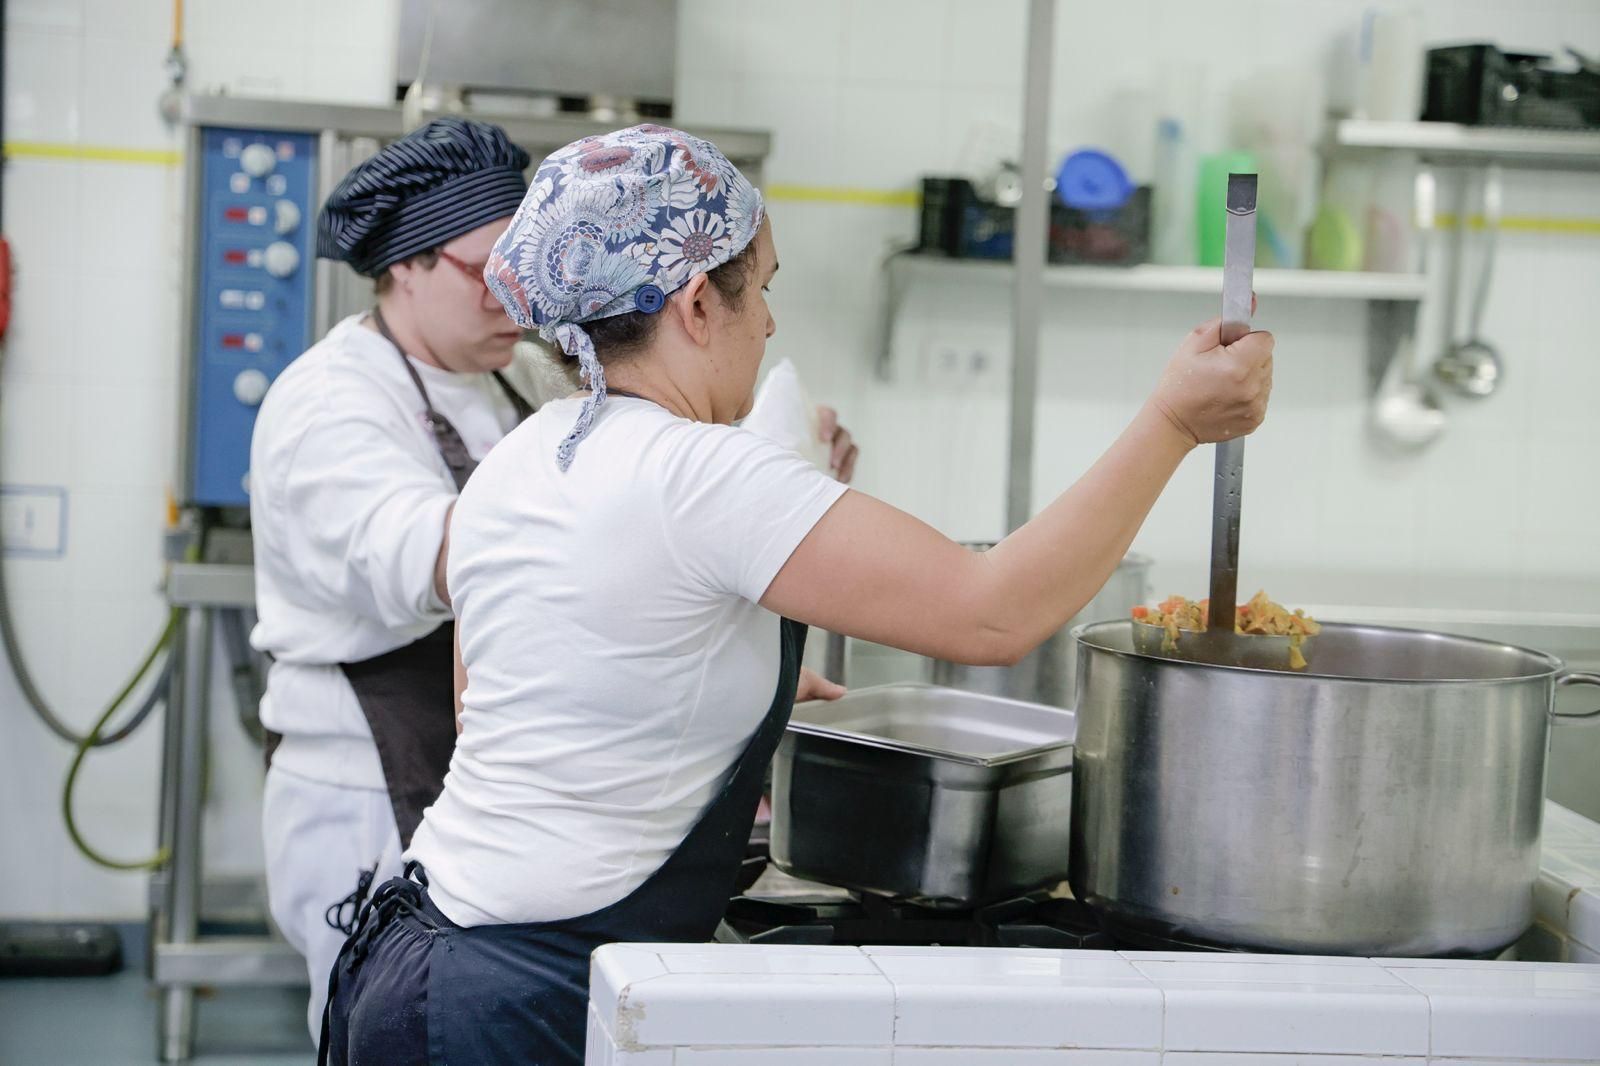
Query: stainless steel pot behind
point(946, 797)
point(1387, 802)
point(1048, 674)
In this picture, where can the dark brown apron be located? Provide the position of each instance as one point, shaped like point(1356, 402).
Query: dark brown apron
point(408, 695)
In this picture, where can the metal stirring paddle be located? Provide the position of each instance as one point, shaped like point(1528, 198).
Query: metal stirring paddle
point(1219, 644)
point(1238, 271)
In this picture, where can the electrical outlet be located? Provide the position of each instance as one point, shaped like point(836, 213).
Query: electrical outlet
point(33, 520)
point(946, 365)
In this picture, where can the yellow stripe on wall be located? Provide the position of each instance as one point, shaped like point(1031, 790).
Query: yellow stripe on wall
point(844, 194)
point(92, 153)
point(824, 194)
point(1588, 227)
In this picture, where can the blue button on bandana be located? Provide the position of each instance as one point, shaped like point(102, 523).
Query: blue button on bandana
point(614, 224)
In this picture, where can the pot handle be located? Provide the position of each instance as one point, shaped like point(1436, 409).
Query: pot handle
point(1576, 677)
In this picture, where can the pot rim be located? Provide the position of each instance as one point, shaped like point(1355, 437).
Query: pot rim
point(1554, 666)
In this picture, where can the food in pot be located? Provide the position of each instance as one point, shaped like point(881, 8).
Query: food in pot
point(1260, 617)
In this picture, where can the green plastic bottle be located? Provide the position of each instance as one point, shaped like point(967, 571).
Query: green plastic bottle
point(1209, 208)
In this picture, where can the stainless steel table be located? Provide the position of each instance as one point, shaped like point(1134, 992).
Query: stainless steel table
point(180, 959)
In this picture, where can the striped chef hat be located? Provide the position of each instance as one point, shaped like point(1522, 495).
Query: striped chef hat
point(434, 184)
point(614, 224)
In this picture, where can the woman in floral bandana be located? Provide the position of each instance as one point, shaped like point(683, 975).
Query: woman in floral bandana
point(632, 576)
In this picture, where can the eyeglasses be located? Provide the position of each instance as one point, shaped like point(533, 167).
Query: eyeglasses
point(473, 272)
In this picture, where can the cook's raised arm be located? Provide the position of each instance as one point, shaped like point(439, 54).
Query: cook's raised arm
point(870, 570)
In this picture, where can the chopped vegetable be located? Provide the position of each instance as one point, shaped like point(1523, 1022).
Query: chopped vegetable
point(1260, 617)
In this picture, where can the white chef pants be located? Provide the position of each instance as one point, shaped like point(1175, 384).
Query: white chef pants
point(319, 837)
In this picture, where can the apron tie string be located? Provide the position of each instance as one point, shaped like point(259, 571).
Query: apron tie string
point(335, 916)
point(395, 896)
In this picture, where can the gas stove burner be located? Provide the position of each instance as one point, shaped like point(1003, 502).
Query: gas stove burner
point(1029, 922)
point(774, 908)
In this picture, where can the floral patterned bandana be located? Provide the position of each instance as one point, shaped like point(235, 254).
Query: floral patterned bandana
point(614, 224)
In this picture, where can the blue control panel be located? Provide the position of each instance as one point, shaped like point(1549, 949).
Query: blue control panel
point(253, 307)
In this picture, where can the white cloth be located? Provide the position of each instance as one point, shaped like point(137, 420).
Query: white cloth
point(783, 412)
point(318, 838)
point(348, 495)
point(617, 658)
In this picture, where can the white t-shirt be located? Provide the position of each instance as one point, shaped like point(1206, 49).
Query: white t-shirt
point(617, 659)
point(348, 494)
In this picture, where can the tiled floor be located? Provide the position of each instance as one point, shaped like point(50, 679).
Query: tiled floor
point(111, 1021)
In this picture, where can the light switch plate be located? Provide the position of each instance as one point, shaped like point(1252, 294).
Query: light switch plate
point(33, 520)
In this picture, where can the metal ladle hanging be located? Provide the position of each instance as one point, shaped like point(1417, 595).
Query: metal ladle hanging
point(1473, 368)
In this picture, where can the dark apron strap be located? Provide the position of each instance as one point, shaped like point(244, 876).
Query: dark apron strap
point(451, 447)
point(687, 896)
point(522, 407)
point(408, 698)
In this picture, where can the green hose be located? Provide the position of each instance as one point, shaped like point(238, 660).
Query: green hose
point(88, 742)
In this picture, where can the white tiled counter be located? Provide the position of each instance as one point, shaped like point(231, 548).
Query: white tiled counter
point(1566, 901)
point(789, 1005)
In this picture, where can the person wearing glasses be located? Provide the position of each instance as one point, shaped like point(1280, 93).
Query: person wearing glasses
point(359, 451)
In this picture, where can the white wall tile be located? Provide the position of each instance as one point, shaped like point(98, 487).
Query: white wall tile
point(1262, 969)
point(329, 75)
point(34, 434)
point(1509, 1010)
point(42, 213)
point(793, 1010)
point(44, 72)
point(42, 343)
point(123, 81)
point(890, 134)
point(45, 15)
point(1232, 1058)
point(124, 436)
point(799, 111)
point(787, 40)
point(1567, 870)
point(1298, 1018)
point(894, 42)
point(1021, 999)
point(982, 127)
point(984, 43)
point(1487, 1062)
point(831, 1056)
point(989, 1056)
point(709, 27)
point(1583, 917)
point(115, 552)
point(143, 21)
point(764, 960)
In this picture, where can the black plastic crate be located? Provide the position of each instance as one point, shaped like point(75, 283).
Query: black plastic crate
point(1479, 85)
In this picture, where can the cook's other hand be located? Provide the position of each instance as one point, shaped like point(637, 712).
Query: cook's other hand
point(1214, 392)
point(814, 686)
point(842, 448)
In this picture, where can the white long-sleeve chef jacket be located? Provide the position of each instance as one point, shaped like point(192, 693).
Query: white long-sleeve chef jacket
point(348, 495)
